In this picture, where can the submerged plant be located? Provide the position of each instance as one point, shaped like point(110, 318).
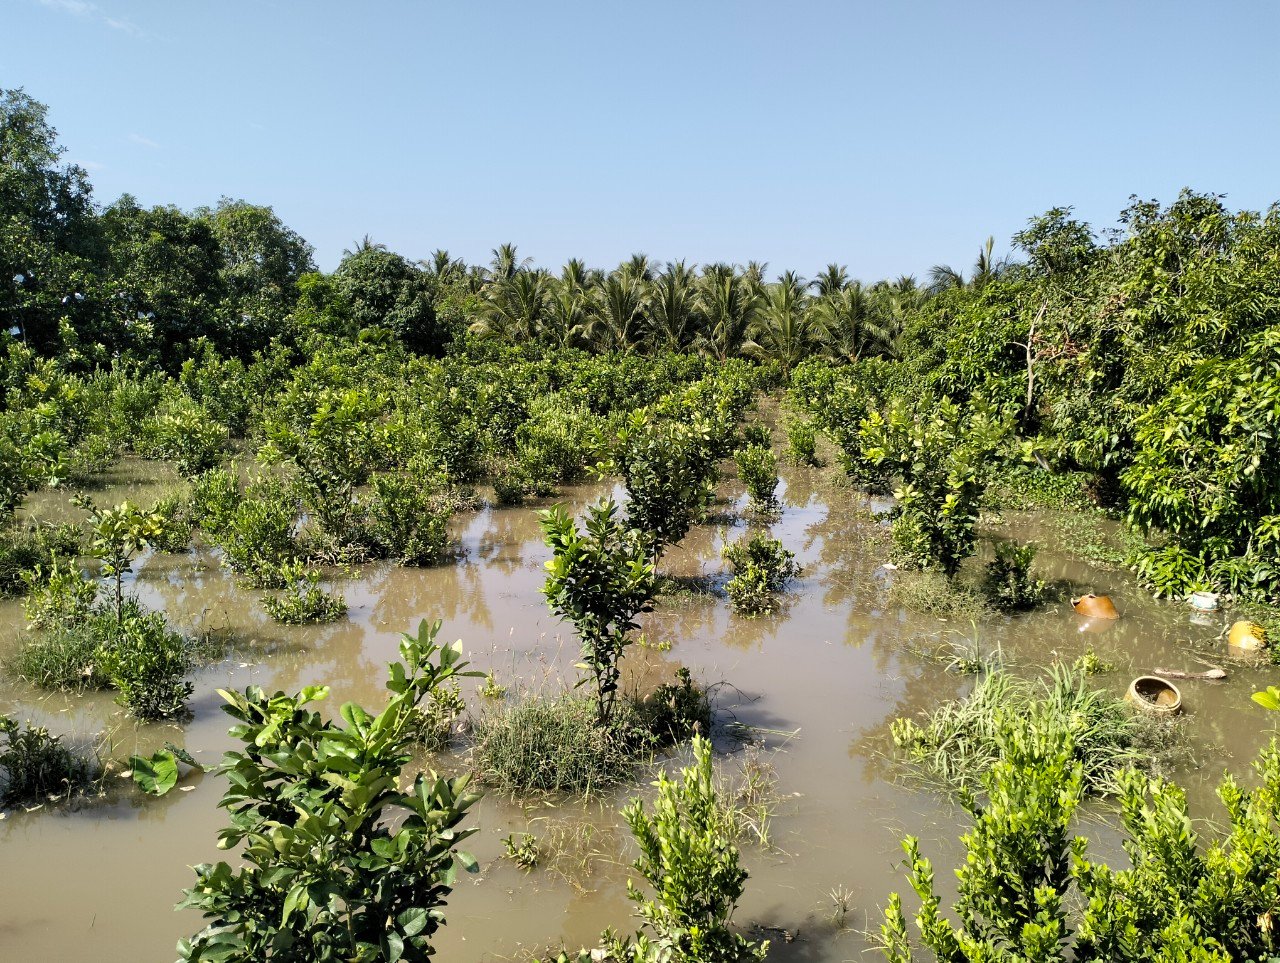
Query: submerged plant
point(38, 765)
point(303, 601)
point(675, 711)
point(802, 443)
point(1009, 581)
point(758, 469)
point(761, 569)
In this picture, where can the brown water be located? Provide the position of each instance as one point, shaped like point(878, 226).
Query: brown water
point(821, 680)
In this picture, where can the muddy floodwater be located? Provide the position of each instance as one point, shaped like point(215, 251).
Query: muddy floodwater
point(818, 684)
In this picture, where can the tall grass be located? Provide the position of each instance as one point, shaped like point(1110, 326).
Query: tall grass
point(959, 741)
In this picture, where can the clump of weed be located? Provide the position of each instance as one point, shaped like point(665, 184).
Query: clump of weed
point(1090, 663)
point(675, 711)
point(761, 569)
point(492, 688)
point(58, 595)
point(435, 717)
point(1026, 488)
point(38, 765)
point(932, 593)
point(959, 741)
point(303, 601)
point(1009, 582)
point(524, 852)
point(553, 745)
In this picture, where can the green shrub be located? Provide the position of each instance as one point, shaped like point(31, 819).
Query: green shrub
point(761, 569)
point(176, 524)
point(147, 663)
point(186, 435)
point(259, 538)
point(509, 485)
point(409, 517)
point(1027, 889)
point(37, 765)
point(337, 861)
point(599, 578)
point(554, 745)
point(215, 496)
point(756, 436)
point(670, 470)
point(303, 601)
point(802, 443)
point(689, 860)
point(1009, 582)
point(60, 595)
point(758, 469)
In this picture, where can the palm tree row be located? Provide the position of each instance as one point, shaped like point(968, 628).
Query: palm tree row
point(720, 310)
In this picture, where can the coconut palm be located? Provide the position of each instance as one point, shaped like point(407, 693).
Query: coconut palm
point(943, 277)
point(783, 329)
point(834, 277)
point(506, 263)
point(515, 309)
point(673, 307)
point(728, 306)
point(619, 311)
point(851, 326)
point(568, 314)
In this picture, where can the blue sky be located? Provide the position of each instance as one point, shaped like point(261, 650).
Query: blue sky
point(887, 136)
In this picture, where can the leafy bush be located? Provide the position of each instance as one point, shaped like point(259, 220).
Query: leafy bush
point(185, 434)
point(304, 602)
point(599, 578)
point(215, 496)
point(943, 457)
point(688, 858)
point(147, 663)
point(761, 569)
point(37, 765)
point(1009, 581)
point(259, 539)
point(116, 536)
point(330, 869)
point(1028, 890)
point(758, 469)
point(555, 745)
point(26, 548)
point(176, 524)
point(802, 442)
point(409, 518)
point(670, 470)
point(58, 595)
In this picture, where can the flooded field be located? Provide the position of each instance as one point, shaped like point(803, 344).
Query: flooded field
point(817, 684)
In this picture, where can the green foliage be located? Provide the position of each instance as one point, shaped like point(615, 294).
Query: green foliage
point(409, 517)
point(157, 774)
point(1028, 890)
point(551, 745)
point(802, 442)
point(25, 550)
point(758, 469)
point(259, 536)
point(326, 874)
point(943, 456)
point(523, 852)
point(215, 497)
point(147, 663)
point(688, 858)
point(188, 436)
point(1009, 582)
point(116, 536)
point(38, 766)
point(669, 469)
point(761, 569)
point(303, 601)
point(599, 578)
point(58, 595)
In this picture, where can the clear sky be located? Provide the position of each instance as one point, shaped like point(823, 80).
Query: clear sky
point(884, 135)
